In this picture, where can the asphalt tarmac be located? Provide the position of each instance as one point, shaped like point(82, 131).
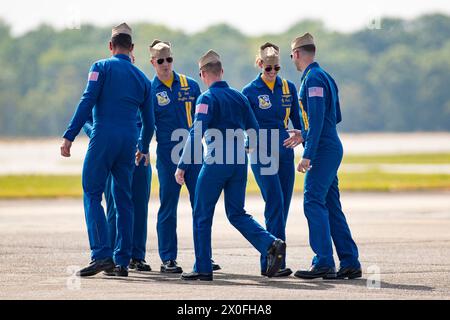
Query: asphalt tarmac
point(403, 238)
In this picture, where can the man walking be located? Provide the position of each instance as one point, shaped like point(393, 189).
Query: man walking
point(221, 109)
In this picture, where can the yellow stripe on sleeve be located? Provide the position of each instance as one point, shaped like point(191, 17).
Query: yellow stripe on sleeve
point(188, 106)
point(285, 87)
point(304, 115)
point(286, 118)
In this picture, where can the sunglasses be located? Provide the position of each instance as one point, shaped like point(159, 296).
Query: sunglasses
point(161, 61)
point(269, 68)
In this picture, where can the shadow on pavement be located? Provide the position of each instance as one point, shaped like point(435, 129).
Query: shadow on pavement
point(291, 283)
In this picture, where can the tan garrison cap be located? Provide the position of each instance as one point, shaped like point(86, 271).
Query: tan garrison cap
point(209, 57)
point(269, 54)
point(160, 49)
point(121, 28)
point(304, 40)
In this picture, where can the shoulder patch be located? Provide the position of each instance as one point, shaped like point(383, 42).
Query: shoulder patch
point(201, 108)
point(93, 76)
point(315, 92)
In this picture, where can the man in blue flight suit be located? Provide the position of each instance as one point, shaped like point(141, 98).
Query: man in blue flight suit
point(274, 102)
point(141, 195)
point(142, 176)
point(116, 90)
point(174, 97)
point(220, 109)
point(319, 103)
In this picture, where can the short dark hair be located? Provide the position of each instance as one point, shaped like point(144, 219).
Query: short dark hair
point(122, 40)
point(213, 67)
point(309, 48)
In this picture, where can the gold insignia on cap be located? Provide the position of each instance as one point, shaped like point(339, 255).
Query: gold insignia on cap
point(269, 54)
point(209, 57)
point(121, 28)
point(160, 49)
point(304, 40)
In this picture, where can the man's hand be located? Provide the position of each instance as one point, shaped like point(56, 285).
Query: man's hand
point(139, 156)
point(179, 176)
point(132, 57)
point(65, 148)
point(304, 165)
point(294, 140)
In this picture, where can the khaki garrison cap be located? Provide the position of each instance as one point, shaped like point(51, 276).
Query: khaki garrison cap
point(121, 28)
point(269, 54)
point(160, 49)
point(209, 57)
point(304, 40)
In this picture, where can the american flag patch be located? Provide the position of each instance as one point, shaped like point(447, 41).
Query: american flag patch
point(93, 76)
point(201, 108)
point(315, 92)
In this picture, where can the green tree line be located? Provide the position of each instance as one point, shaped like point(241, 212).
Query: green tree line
point(394, 78)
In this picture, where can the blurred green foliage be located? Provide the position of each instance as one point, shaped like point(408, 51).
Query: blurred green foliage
point(394, 78)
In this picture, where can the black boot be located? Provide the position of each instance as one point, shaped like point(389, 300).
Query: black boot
point(118, 271)
point(215, 266)
point(139, 265)
point(171, 266)
point(96, 266)
point(286, 272)
point(349, 273)
point(275, 256)
point(197, 276)
point(315, 272)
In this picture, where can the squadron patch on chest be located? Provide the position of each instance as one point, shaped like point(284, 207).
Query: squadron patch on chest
point(163, 98)
point(264, 101)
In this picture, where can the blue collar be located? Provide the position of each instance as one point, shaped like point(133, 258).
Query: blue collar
point(259, 82)
point(158, 83)
point(122, 56)
point(219, 84)
point(311, 66)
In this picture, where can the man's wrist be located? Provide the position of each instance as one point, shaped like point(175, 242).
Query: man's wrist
point(68, 138)
point(306, 154)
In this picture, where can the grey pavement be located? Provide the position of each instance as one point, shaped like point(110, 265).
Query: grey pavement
point(404, 242)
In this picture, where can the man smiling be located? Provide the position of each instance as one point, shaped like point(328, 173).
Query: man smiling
point(174, 97)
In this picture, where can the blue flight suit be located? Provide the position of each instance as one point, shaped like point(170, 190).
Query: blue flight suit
point(142, 176)
point(319, 103)
point(273, 109)
point(221, 108)
point(110, 205)
point(115, 91)
point(174, 109)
